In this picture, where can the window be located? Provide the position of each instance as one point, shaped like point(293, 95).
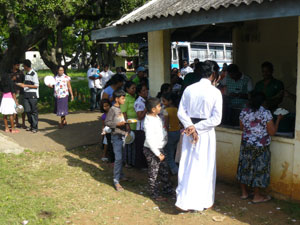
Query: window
point(174, 50)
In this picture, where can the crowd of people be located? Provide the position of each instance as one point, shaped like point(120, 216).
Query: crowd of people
point(192, 104)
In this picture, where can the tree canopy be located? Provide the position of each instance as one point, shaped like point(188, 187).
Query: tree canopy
point(58, 28)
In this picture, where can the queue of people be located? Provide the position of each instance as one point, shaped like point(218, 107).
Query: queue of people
point(192, 104)
point(162, 120)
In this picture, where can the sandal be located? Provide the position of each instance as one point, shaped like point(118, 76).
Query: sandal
point(265, 199)
point(119, 187)
point(7, 131)
point(244, 197)
point(160, 199)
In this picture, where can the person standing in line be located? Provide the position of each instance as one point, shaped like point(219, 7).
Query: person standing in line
point(106, 75)
point(172, 125)
point(140, 108)
point(254, 165)
point(95, 86)
point(62, 90)
point(18, 77)
point(200, 111)
point(115, 120)
point(129, 113)
point(186, 69)
point(156, 139)
point(31, 96)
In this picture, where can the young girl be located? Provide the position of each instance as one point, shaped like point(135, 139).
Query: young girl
point(104, 107)
point(173, 127)
point(8, 103)
point(156, 139)
point(139, 107)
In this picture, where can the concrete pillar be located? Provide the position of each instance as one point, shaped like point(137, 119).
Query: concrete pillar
point(296, 166)
point(159, 59)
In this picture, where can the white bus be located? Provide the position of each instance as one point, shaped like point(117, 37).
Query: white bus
point(180, 51)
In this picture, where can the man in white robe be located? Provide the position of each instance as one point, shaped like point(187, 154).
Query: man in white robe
point(200, 111)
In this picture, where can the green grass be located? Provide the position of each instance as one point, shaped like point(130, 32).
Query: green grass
point(74, 187)
point(71, 73)
point(80, 89)
point(81, 97)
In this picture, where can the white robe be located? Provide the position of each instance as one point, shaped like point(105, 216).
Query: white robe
point(197, 168)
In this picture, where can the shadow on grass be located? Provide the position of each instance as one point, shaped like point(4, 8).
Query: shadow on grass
point(138, 185)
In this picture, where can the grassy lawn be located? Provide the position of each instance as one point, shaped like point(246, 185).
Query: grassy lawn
point(80, 89)
point(76, 188)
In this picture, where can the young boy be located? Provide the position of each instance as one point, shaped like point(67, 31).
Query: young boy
point(115, 120)
point(156, 139)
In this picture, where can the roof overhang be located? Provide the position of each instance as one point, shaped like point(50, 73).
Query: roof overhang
point(254, 11)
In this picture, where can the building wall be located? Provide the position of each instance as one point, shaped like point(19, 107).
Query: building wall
point(273, 40)
point(253, 43)
point(282, 161)
point(36, 60)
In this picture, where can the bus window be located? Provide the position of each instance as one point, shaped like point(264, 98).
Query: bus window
point(174, 54)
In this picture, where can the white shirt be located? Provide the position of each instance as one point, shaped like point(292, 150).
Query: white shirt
point(156, 135)
point(93, 83)
point(139, 106)
point(105, 77)
point(184, 71)
point(202, 105)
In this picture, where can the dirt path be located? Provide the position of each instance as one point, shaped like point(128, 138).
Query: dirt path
point(83, 129)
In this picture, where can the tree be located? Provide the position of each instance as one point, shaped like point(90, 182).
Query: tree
point(25, 23)
point(57, 28)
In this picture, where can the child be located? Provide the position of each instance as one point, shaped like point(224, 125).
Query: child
point(156, 139)
point(115, 120)
point(8, 103)
point(173, 127)
point(104, 107)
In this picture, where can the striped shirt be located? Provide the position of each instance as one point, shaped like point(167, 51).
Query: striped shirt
point(31, 78)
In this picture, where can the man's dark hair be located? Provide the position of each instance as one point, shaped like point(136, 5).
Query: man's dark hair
point(95, 65)
point(256, 100)
point(16, 62)
point(106, 65)
point(117, 78)
point(233, 68)
point(118, 93)
point(151, 103)
point(268, 65)
point(209, 67)
point(27, 63)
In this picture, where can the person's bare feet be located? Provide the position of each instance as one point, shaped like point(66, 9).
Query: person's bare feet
point(15, 131)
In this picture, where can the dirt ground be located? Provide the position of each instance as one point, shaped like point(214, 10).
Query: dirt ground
point(100, 204)
point(83, 129)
